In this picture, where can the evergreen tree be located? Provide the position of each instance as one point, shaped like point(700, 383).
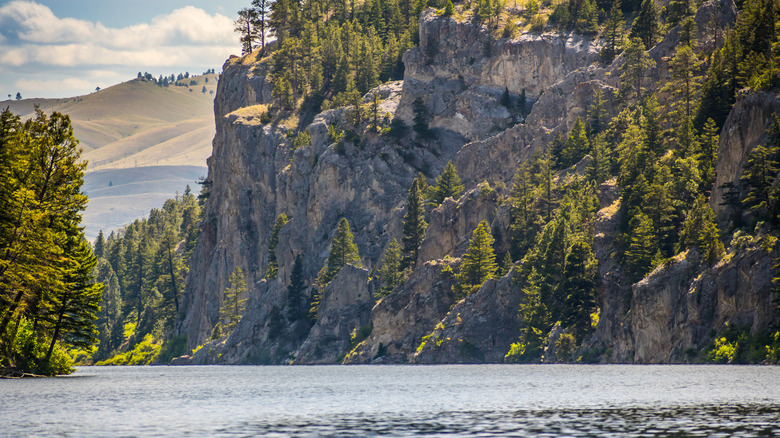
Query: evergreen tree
point(577, 145)
point(597, 115)
point(295, 291)
point(708, 154)
point(683, 89)
point(579, 288)
point(535, 318)
point(523, 225)
point(598, 170)
point(642, 248)
point(343, 250)
point(100, 244)
point(636, 64)
point(420, 118)
point(414, 226)
point(262, 10)
point(447, 185)
point(390, 273)
point(479, 261)
point(613, 33)
point(273, 265)
point(701, 232)
point(759, 177)
point(646, 26)
point(246, 26)
point(234, 301)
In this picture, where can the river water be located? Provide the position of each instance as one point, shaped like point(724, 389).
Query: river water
point(466, 400)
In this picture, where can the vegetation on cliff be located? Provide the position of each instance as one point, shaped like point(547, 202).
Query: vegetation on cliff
point(48, 297)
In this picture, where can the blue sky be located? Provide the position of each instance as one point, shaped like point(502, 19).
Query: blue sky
point(61, 48)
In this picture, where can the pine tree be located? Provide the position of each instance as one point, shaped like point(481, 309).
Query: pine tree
point(759, 176)
point(523, 216)
point(479, 261)
point(447, 185)
point(390, 273)
point(636, 64)
point(420, 118)
point(683, 89)
point(75, 306)
point(295, 291)
point(701, 232)
point(579, 288)
point(598, 170)
point(535, 318)
point(414, 226)
point(597, 115)
point(646, 25)
point(653, 140)
point(273, 265)
point(343, 250)
point(708, 154)
point(262, 10)
point(449, 9)
point(234, 301)
point(642, 247)
point(613, 33)
point(246, 26)
point(100, 244)
point(577, 145)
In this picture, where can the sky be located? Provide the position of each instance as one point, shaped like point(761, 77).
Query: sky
point(63, 48)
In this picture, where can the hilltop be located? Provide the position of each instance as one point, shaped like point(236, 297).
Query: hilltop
point(148, 141)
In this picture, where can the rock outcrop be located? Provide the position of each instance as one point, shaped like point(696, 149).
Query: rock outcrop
point(345, 310)
point(459, 73)
point(745, 128)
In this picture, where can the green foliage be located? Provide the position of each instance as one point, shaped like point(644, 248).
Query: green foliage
point(295, 291)
point(414, 225)
point(701, 232)
point(449, 9)
point(479, 261)
point(390, 272)
point(646, 25)
point(758, 177)
point(580, 16)
point(613, 33)
point(143, 353)
point(273, 265)
point(577, 145)
point(343, 250)
point(642, 251)
point(636, 64)
point(46, 265)
point(447, 185)
point(302, 140)
point(233, 302)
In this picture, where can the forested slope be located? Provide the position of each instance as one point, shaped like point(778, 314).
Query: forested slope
point(579, 182)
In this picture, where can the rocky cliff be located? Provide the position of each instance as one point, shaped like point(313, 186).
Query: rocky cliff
point(459, 72)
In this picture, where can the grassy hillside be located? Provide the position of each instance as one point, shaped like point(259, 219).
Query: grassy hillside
point(118, 122)
point(147, 141)
point(119, 196)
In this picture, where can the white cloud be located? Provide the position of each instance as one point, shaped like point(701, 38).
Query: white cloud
point(31, 33)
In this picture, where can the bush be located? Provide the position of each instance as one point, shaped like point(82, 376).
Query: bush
point(538, 23)
point(510, 29)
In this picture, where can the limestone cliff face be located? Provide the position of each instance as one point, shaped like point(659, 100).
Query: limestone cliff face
point(459, 73)
point(677, 306)
point(745, 128)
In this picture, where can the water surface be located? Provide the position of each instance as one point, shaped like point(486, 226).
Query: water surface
point(465, 400)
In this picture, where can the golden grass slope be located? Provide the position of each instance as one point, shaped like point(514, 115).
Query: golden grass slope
point(138, 123)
